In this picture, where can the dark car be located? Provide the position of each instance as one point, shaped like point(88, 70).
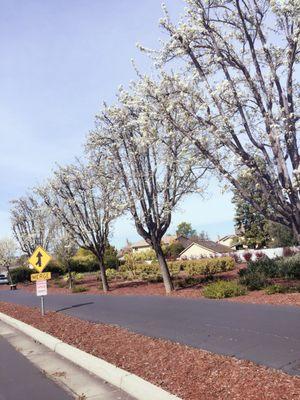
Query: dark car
point(3, 280)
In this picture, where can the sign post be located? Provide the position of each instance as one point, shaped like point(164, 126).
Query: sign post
point(39, 260)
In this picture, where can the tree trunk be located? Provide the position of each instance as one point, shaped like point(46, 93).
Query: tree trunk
point(164, 268)
point(70, 275)
point(296, 231)
point(103, 276)
point(9, 276)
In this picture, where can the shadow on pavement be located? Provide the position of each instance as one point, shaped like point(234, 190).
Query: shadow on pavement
point(74, 306)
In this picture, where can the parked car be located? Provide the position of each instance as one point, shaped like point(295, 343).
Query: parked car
point(3, 280)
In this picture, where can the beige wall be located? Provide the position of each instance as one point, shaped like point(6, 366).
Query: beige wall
point(196, 251)
point(227, 242)
point(141, 249)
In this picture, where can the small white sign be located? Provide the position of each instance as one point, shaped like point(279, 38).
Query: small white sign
point(41, 288)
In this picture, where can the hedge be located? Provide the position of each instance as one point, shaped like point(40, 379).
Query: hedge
point(208, 266)
point(55, 268)
point(284, 267)
point(258, 273)
point(223, 289)
point(152, 273)
point(289, 267)
point(20, 274)
point(84, 264)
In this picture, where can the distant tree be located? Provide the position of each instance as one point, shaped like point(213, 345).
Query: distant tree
point(249, 223)
point(203, 235)
point(173, 250)
point(32, 224)
point(85, 201)
point(280, 235)
point(8, 251)
point(256, 227)
point(185, 229)
point(110, 257)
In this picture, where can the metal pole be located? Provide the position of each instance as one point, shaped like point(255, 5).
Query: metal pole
point(42, 305)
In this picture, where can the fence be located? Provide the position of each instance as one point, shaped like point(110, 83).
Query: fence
point(271, 253)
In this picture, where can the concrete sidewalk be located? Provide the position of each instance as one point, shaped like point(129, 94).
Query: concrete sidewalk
point(32, 371)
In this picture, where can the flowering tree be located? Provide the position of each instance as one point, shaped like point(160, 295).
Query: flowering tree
point(32, 224)
point(155, 166)
point(85, 202)
point(239, 92)
point(64, 250)
point(8, 250)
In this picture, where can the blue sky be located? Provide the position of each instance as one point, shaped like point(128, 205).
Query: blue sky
point(60, 59)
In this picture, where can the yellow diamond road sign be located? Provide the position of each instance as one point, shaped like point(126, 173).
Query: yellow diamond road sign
point(39, 259)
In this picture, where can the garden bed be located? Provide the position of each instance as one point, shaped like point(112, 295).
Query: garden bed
point(157, 289)
point(131, 288)
point(190, 373)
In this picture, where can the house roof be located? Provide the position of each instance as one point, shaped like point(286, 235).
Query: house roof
point(210, 245)
point(226, 237)
point(165, 240)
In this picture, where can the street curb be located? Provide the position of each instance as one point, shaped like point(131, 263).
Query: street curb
point(130, 383)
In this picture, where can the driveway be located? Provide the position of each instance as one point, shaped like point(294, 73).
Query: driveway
point(266, 334)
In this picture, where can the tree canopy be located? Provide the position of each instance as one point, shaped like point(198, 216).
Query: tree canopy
point(236, 95)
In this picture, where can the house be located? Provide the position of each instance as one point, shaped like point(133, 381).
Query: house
point(142, 245)
point(193, 247)
point(203, 248)
point(232, 241)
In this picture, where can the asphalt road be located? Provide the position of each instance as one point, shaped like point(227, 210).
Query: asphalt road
point(268, 335)
point(20, 379)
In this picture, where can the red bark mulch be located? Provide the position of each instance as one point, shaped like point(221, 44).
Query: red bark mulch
point(190, 373)
point(157, 289)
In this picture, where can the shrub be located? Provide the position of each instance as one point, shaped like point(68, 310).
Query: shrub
point(272, 289)
point(208, 266)
point(189, 281)
point(61, 284)
point(173, 250)
point(111, 274)
point(151, 272)
point(265, 266)
point(20, 274)
point(259, 255)
point(236, 257)
point(253, 280)
point(288, 252)
point(79, 289)
point(82, 264)
point(111, 257)
point(247, 256)
point(75, 276)
point(55, 268)
point(223, 289)
point(140, 256)
point(289, 267)
point(256, 275)
point(145, 272)
point(175, 267)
